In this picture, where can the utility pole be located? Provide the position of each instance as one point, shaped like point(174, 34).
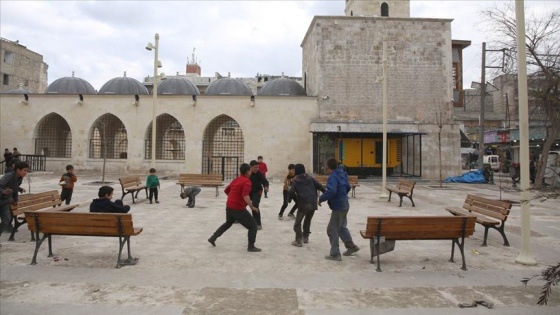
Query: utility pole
point(481, 145)
point(482, 101)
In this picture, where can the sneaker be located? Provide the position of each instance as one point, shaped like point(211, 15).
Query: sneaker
point(306, 240)
point(259, 227)
point(157, 201)
point(291, 215)
point(297, 244)
point(190, 205)
point(280, 217)
point(337, 258)
point(212, 241)
point(253, 249)
point(351, 250)
point(150, 202)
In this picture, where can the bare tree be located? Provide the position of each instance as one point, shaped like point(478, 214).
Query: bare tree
point(442, 112)
point(543, 63)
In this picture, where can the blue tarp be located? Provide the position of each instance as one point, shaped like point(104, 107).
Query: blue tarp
point(469, 177)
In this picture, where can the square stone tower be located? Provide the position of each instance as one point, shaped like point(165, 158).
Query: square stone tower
point(388, 8)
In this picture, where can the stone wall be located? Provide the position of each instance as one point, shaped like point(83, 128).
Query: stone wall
point(343, 65)
point(275, 127)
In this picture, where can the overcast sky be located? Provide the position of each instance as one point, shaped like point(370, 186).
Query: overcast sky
point(100, 40)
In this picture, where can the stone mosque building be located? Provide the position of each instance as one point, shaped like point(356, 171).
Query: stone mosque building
point(211, 125)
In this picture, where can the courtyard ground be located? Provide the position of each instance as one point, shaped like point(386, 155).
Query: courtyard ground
point(179, 272)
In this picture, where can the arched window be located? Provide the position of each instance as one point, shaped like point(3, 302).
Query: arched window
point(222, 147)
point(384, 9)
point(53, 137)
point(108, 138)
point(170, 139)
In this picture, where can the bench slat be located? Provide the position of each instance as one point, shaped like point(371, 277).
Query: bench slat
point(69, 223)
point(479, 218)
point(486, 212)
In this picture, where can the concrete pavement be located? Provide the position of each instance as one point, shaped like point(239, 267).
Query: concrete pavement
point(179, 272)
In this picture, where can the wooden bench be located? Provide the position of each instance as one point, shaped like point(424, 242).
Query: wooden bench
point(82, 224)
point(203, 180)
point(131, 185)
point(451, 228)
point(47, 200)
point(489, 213)
point(404, 188)
point(352, 180)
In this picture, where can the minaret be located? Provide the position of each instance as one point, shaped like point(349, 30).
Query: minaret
point(192, 65)
point(389, 8)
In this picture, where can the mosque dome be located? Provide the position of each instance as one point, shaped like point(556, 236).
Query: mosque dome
point(123, 86)
point(177, 86)
point(228, 86)
point(282, 86)
point(20, 90)
point(70, 85)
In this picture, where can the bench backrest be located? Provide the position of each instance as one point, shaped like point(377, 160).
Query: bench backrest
point(497, 209)
point(322, 179)
point(424, 227)
point(407, 185)
point(34, 202)
point(190, 178)
point(76, 223)
point(130, 181)
point(353, 180)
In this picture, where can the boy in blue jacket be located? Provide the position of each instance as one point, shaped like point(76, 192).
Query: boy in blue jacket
point(336, 196)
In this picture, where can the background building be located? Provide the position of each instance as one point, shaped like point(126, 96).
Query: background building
point(21, 68)
point(211, 124)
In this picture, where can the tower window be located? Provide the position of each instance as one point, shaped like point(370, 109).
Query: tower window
point(384, 9)
point(8, 57)
point(6, 79)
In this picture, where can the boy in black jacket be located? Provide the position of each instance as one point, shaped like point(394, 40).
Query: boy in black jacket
point(304, 191)
point(104, 203)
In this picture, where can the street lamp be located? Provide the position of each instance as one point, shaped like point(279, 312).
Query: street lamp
point(384, 162)
point(157, 64)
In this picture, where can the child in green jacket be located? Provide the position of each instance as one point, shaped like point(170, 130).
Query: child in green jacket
point(153, 184)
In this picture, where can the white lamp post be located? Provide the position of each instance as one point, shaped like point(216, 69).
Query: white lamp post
point(525, 257)
point(157, 64)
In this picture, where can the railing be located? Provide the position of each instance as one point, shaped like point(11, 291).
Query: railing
point(36, 162)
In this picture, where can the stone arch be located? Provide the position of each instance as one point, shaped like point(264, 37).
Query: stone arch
point(222, 147)
point(170, 139)
point(53, 137)
point(108, 138)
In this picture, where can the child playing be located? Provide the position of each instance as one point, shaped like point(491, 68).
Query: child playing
point(104, 203)
point(152, 182)
point(287, 184)
point(67, 181)
point(9, 189)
